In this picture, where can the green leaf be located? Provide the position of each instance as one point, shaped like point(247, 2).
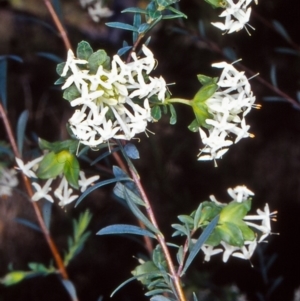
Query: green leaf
point(158, 291)
point(70, 145)
point(179, 255)
point(60, 67)
point(194, 126)
point(158, 258)
point(208, 212)
point(231, 234)
point(134, 10)
point(205, 93)
point(80, 235)
point(71, 93)
point(14, 277)
point(173, 118)
point(146, 272)
point(197, 216)
point(186, 219)
point(248, 233)
point(121, 26)
point(84, 50)
point(98, 58)
point(143, 28)
point(201, 113)
point(125, 229)
point(235, 211)
point(156, 112)
point(71, 168)
point(217, 3)
point(50, 167)
point(200, 241)
point(207, 80)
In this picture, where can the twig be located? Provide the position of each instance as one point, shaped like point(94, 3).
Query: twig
point(58, 24)
point(148, 242)
point(160, 238)
point(26, 181)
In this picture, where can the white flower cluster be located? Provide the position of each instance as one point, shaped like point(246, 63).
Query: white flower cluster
point(96, 9)
point(241, 194)
point(8, 180)
point(228, 106)
point(106, 108)
point(236, 15)
point(64, 193)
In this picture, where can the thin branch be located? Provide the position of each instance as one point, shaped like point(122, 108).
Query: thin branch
point(27, 184)
point(148, 242)
point(160, 238)
point(58, 24)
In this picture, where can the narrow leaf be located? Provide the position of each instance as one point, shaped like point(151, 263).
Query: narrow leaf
point(281, 30)
point(160, 298)
point(200, 241)
point(70, 288)
point(125, 229)
point(96, 186)
point(131, 151)
point(28, 224)
point(21, 126)
point(47, 209)
point(3, 81)
point(138, 213)
point(134, 10)
point(121, 26)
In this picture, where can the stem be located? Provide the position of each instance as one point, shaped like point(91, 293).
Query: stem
point(160, 238)
point(179, 100)
point(185, 250)
point(26, 181)
point(133, 49)
point(148, 242)
point(58, 24)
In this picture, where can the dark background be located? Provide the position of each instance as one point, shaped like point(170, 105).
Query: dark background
point(176, 182)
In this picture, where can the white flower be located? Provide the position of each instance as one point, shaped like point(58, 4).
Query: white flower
point(266, 217)
point(240, 193)
point(209, 251)
point(109, 105)
point(64, 193)
point(84, 182)
point(98, 11)
point(8, 180)
point(236, 15)
point(28, 168)
point(228, 107)
point(42, 193)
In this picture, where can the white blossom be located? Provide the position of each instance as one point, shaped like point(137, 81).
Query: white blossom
point(8, 180)
point(85, 182)
point(241, 194)
point(108, 105)
point(210, 251)
point(96, 9)
point(28, 168)
point(64, 193)
point(236, 16)
point(228, 107)
point(43, 192)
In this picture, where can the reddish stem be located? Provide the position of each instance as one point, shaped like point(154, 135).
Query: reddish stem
point(26, 181)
